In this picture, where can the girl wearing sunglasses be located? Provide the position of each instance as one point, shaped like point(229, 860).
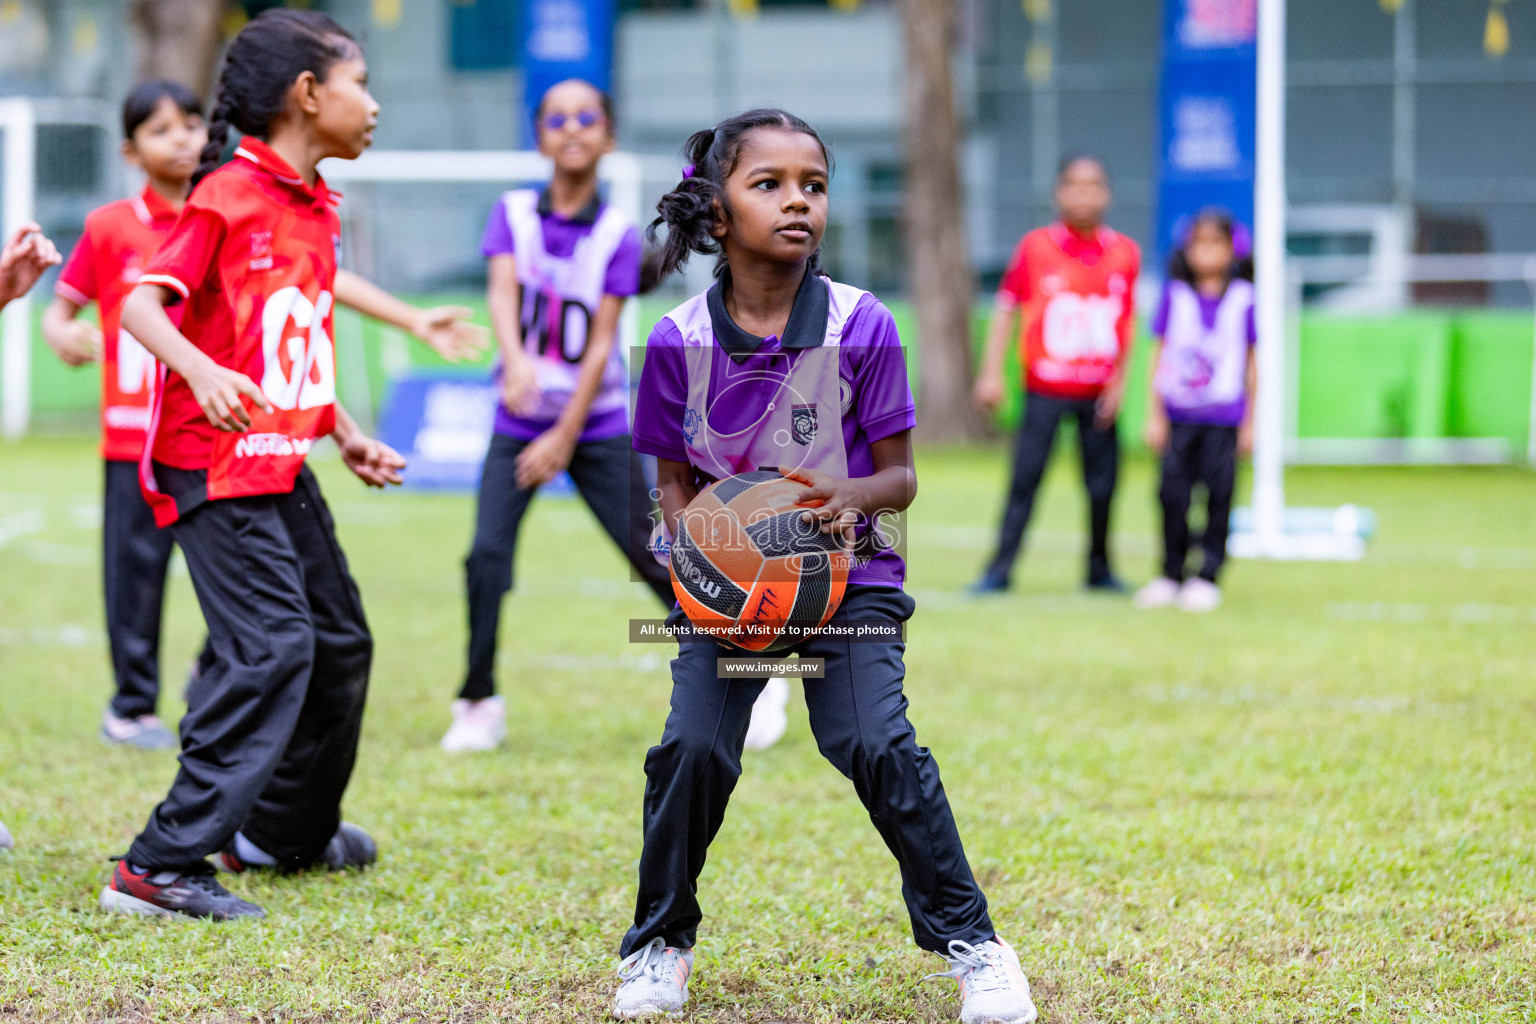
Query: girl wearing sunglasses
point(561, 264)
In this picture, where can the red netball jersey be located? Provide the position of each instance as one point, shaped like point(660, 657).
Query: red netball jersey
point(254, 258)
point(118, 240)
point(1078, 299)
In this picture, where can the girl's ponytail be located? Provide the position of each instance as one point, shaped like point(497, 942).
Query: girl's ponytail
point(698, 203)
point(689, 211)
point(218, 137)
point(269, 54)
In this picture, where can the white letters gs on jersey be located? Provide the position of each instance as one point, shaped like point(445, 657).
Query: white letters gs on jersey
point(293, 332)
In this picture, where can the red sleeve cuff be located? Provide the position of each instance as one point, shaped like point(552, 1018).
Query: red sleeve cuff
point(167, 281)
point(64, 290)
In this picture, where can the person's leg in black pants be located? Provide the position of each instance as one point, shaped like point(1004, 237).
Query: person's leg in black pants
point(1100, 448)
point(241, 714)
point(135, 556)
point(607, 473)
point(299, 810)
point(1218, 471)
point(499, 512)
point(1031, 452)
point(1173, 493)
point(858, 713)
point(689, 775)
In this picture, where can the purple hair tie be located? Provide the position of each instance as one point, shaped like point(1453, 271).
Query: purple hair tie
point(1242, 240)
point(688, 171)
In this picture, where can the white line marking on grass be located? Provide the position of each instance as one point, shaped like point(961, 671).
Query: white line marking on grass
point(19, 524)
point(1409, 613)
point(50, 636)
point(53, 553)
point(1385, 704)
point(647, 662)
point(366, 513)
point(85, 517)
point(981, 538)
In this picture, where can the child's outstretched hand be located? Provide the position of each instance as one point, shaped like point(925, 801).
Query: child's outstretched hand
point(374, 462)
point(836, 503)
point(22, 261)
point(447, 330)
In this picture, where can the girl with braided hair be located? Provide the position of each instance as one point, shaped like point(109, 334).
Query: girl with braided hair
point(776, 368)
point(247, 384)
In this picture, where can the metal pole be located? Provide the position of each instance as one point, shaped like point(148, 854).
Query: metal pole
point(1530, 437)
point(18, 127)
point(1404, 97)
point(1405, 72)
point(1044, 100)
point(1269, 246)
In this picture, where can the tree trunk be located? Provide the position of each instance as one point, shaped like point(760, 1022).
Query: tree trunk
point(938, 261)
point(179, 40)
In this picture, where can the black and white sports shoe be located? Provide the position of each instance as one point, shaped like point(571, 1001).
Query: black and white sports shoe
point(193, 894)
point(350, 847)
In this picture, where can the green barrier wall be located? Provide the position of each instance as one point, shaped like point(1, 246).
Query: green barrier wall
point(1419, 374)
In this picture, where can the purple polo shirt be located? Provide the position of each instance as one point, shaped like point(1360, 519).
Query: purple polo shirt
point(1225, 414)
point(870, 361)
point(560, 237)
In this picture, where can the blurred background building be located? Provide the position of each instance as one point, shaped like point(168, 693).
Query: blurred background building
point(1408, 132)
point(1409, 119)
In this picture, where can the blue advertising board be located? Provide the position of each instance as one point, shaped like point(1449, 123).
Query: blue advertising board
point(564, 39)
point(1206, 111)
point(442, 422)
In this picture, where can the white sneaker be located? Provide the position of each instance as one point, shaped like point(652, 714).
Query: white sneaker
point(146, 732)
point(477, 725)
point(655, 981)
point(993, 989)
point(1199, 595)
point(6, 842)
point(768, 718)
point(1160, 593)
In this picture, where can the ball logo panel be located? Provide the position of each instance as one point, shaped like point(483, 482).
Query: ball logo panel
point(749, 571)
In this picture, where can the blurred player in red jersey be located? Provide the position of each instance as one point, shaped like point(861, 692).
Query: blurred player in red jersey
point(163, 133)
point(248, 384)
point(1074, 286)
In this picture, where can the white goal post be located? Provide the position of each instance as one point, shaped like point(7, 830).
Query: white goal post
point(623, 173)
point(18, 200)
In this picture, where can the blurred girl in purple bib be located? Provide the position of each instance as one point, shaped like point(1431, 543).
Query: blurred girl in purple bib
point(561, 264)
point(1201, 415)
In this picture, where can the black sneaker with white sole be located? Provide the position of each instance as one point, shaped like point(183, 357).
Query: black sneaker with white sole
point(193, 894)
point(350, 847)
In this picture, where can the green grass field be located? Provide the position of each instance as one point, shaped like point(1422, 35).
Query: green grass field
point(1318, 804)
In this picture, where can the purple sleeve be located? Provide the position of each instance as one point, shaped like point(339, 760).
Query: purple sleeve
point(1253, 327)
point(662, 396)
point(624, 269)
point(882, 398)
point(1160, 318)
point(497, 239)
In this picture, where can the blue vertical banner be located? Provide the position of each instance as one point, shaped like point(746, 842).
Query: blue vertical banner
point(1206, 111)
point(564, 39)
